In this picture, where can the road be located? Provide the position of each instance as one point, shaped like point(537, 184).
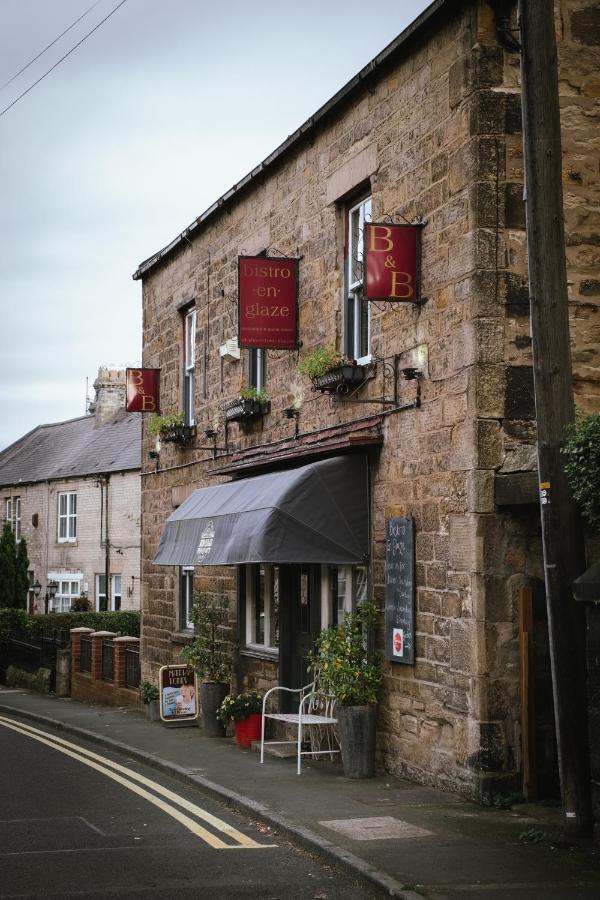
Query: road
point(79, 821)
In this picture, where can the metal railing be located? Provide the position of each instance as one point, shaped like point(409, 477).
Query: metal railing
point(108, 661)
point(85, 654)
point(132, 667)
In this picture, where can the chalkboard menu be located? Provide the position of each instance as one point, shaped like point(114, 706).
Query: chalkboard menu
point(400, 591)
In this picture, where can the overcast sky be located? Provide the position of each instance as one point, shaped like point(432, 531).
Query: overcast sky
point(159, 112)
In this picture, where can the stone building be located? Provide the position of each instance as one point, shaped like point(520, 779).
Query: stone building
point(72, 489)
point(429, 131)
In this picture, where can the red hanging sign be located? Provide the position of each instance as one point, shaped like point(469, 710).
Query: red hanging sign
point(142, 390)
point(392, 262)
point(268, 302)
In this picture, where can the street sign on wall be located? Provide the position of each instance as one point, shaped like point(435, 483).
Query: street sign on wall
point(142, 390)
point(392, 262)
point(268, 302)
point(400, 591)
point(178, 694)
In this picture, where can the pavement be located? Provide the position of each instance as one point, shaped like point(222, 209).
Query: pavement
point(408, 840)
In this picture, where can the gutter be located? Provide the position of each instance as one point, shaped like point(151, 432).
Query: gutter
point(307, 128)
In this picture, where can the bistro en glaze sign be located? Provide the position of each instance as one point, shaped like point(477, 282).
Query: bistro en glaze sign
point(142, 389)
point(392, 262)
point(268, 302)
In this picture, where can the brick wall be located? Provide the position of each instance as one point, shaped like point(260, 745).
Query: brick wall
point(437, 135)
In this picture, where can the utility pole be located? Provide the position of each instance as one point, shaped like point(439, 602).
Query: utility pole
point(564, 555)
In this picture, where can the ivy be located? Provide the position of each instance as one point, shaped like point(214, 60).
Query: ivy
point(582, 466)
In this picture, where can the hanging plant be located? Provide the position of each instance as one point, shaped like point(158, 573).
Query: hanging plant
point(582, 466)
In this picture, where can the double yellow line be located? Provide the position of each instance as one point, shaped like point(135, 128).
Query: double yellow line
point(133, 781)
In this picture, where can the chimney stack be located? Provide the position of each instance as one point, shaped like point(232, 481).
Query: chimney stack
point(110, 395)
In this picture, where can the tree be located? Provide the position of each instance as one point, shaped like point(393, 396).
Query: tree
point(21, 575)
point(8, 566)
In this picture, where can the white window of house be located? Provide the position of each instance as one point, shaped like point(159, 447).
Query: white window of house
point(189, 367)
point(102, 602)
point(9, 508)
point(13, 515)
point(68, 588)
point(67, 516)
point(186, 597)
point(342, 588)
point(262, 607)
point(358, 316)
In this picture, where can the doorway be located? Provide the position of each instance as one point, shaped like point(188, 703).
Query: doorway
point(300, 626)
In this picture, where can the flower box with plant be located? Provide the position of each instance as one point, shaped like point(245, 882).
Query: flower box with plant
point(353, 675)
point(331, 372)
point(211, 656)
point(149, 697)
point(250, 404)
point(171, 428)
point(245, 711)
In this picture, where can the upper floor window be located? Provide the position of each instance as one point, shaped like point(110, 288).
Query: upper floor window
point(67, 516)
point(257, 375)
point(189, 367)
point(13, 515)
point(358, 321)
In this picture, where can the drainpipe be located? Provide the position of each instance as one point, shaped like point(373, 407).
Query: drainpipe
point(107, 542)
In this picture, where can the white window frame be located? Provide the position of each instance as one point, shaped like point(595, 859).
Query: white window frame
point(354, 284)
point(356, 581)
point(272, 587)
point(63, 598)
point(13, 515)
point(189, 367)
point(69, 517)
point(186, 597)
point(114, 593)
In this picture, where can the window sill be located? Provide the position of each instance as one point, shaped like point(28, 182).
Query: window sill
point(182, 637)
point(256, 652)
point(71, 542)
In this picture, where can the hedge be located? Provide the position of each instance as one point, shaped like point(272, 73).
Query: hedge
point(581, 454)
point(123, 622)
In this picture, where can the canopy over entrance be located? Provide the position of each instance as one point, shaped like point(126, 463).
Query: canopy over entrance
point(314, 514)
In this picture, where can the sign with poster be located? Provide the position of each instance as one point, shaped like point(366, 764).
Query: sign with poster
point(268, 302)
point(392, 262)
point(178, 694)
point(400, 591)
point(142, 390)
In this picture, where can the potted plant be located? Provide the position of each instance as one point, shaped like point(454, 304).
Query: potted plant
point(353, 675)
point(250, 404)
point(171, 428)
point(211, 656)
point(331, 372)
point(245, 710)
point(149, 697)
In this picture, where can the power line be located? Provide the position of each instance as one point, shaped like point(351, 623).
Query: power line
point(62, 59)
point(51, 44)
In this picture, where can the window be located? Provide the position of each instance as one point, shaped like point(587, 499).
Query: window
point(343, 587)
point(66, 592)
point(67, 516)
point(189, 365)
point(186, 597)
point(257, 375)
point(102, 604)
point(13, 515)
point(262, 607)
point(358, 321)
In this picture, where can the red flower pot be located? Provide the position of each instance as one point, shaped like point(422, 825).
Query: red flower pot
point(248, 730)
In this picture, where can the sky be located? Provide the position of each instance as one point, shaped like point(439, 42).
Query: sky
point(158, 113)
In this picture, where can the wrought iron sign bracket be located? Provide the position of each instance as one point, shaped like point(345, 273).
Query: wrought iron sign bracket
point(389, 366)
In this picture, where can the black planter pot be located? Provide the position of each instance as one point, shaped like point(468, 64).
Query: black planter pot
point(178, 434)
point(244, 410)
point(340, 379)
point(212, 694)
point(356, 726)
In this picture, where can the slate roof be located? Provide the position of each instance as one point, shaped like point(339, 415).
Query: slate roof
point(74, 448)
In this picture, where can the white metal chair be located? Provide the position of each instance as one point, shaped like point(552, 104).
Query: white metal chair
point(316, 714)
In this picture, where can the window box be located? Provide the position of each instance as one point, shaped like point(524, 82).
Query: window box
point(178, 433)
point(340, 379)
point(244, 410)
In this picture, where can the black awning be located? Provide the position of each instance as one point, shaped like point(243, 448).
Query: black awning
point(314, 514)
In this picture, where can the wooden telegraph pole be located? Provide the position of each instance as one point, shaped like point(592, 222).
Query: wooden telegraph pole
point(563, 546)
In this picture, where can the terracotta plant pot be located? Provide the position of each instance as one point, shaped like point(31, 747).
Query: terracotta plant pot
point(212, 694)
point(356, 725)
point(248, 730)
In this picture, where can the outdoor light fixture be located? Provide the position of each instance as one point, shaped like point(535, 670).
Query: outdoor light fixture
point(290, 412)
point(410, 373)
point(210, 433)
point(36, 588)
point(51, 589)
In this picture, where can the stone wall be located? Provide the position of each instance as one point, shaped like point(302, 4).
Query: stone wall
point(436, 134)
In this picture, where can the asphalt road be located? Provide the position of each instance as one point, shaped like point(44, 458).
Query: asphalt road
point(76, 821)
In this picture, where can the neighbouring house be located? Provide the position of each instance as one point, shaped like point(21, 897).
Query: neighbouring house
point(285, 505)
point(72, 489)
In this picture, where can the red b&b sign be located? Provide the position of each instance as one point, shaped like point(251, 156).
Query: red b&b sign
point(268, 302)
point(392, 262)
point(142, 390)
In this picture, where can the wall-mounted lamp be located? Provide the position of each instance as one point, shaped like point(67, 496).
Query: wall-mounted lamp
point(410, 373)
point(132, 586)
point(51, 589)
point(290, 412)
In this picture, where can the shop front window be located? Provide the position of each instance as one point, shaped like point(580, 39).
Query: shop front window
point(262, 607)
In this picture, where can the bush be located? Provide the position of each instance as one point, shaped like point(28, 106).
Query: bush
point(13, 620)
point(582, 466)
point(148, 692)
point(126, 622)
point(239, 706)
point(80, 604)
point(209, 654)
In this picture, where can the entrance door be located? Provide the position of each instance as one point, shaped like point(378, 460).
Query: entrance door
point(300, 616)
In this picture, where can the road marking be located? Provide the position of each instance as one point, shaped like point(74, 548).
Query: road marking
point(104, 766)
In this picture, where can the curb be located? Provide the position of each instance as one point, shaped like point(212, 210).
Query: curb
point(354, 865)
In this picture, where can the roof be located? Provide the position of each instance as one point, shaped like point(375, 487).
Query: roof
point(74, 448)
point(382, 59)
